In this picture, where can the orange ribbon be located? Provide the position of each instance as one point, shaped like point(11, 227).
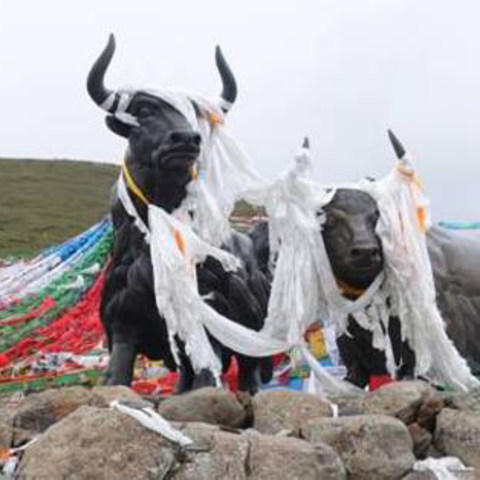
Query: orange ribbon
point(348, 290)
point(422, 214)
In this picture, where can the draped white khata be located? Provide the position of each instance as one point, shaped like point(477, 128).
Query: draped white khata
point(304, 289)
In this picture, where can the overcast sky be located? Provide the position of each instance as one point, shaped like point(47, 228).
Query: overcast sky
point(341, 71)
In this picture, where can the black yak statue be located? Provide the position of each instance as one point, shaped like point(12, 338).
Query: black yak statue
point(160, 159)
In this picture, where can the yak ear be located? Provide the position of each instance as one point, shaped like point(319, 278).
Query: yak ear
point(118, 127)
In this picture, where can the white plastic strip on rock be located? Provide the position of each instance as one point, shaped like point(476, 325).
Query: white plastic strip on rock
point(444, 468)
point(153, 421)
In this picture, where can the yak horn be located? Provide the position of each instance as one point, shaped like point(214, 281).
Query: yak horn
point(95, 81)
point(306, 143)
point(397, 146)
point(229, 91)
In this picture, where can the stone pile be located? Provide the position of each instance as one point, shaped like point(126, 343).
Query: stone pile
point(274, 435)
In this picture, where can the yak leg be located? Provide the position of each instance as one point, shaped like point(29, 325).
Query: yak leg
point(205, 378)
point(188, 379)
point(247, 310)
point(404, 356)
point(266, 369)
point(185, 378)
point(249, 377)
point(357, 374)
point(120, 367)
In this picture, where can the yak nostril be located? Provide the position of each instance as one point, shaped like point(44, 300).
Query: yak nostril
point(365, 252)
point(356, 252)
point(184, 137)
point(175, 137)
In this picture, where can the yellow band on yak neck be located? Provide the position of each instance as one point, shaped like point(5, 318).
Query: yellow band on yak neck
point(132, 185)
point(137, 190)
point(177, 234)
point(349, 290)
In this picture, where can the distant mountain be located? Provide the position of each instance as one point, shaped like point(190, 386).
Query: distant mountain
point(43, 202)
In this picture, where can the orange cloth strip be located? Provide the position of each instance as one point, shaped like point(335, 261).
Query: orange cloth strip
point(348, 290)
point(422, 214)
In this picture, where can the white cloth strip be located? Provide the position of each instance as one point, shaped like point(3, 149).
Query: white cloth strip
point(153, 421)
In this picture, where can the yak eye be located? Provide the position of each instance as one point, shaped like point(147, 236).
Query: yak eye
point(144, 111)
point(337, 215)
point(330, 221)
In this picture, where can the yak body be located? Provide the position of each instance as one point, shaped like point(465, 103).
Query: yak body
point(132, 322)
point(355, 254)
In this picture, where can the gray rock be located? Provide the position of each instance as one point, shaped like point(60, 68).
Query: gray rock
point(276, 457)
point(348, 404)
point(10, 436)
point(473, 475)
point(251, 455)
point(97, 443)
point(428, 411)
point(277, 411)
point(208, 405)
point(118, 392)
point(9, 406)
point(466, 402)
point(422, 439)
point(216, 455)
point(420, 476)
point(458, 434)
point(202, 434)
point(105, 444)
point(399, 399)
point(373, 447)
point(38, 411)
point(12, 399)
point(6, 435)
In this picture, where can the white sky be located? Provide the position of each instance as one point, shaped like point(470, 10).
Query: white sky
point(341, 71)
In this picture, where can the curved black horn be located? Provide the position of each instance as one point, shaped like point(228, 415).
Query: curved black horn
point(306, 143)
point(397, 146)
point(95, 85)
point(229, 92)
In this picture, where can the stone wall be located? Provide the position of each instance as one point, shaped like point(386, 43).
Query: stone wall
point(275, 435)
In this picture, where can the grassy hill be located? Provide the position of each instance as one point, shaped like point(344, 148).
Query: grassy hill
point(45, 202)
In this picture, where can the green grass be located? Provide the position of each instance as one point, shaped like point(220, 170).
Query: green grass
point(46, 202)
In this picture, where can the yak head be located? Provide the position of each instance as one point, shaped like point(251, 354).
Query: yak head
point(349, 233)
point(354, 249)
point(162, 144)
